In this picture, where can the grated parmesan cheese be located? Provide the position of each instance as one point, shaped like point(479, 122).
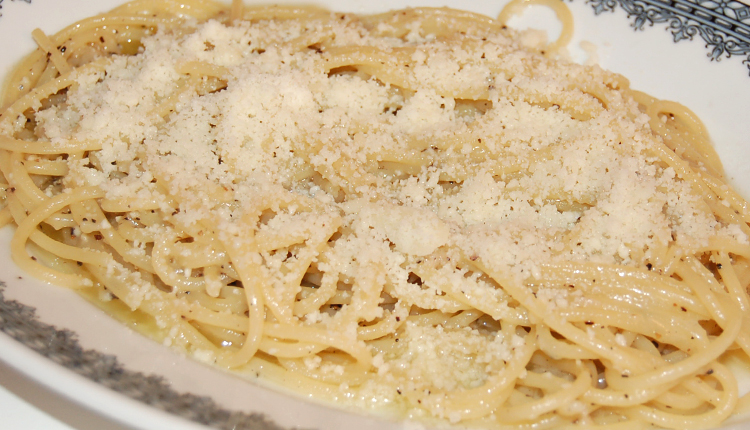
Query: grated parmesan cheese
point(537, 182)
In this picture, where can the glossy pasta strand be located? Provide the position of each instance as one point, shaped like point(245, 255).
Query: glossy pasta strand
point(347, 204)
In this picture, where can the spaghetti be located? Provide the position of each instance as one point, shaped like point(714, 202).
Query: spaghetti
point(422, 209)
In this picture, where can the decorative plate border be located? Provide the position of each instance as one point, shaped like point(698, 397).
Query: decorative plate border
point(724, 25)
point(20, 322)
point(1, 5)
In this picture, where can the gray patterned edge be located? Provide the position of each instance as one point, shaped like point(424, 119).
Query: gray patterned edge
point(61, 346)
point(724, 25)
point(1, 5)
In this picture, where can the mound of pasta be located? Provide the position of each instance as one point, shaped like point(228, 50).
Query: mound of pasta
point(421, 210)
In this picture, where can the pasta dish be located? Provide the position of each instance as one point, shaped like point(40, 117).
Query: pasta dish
point(422, 210)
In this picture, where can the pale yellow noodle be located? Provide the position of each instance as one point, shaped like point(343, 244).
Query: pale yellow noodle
point(272, 293)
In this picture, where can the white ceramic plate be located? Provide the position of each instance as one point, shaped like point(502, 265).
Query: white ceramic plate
point(691, 51)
